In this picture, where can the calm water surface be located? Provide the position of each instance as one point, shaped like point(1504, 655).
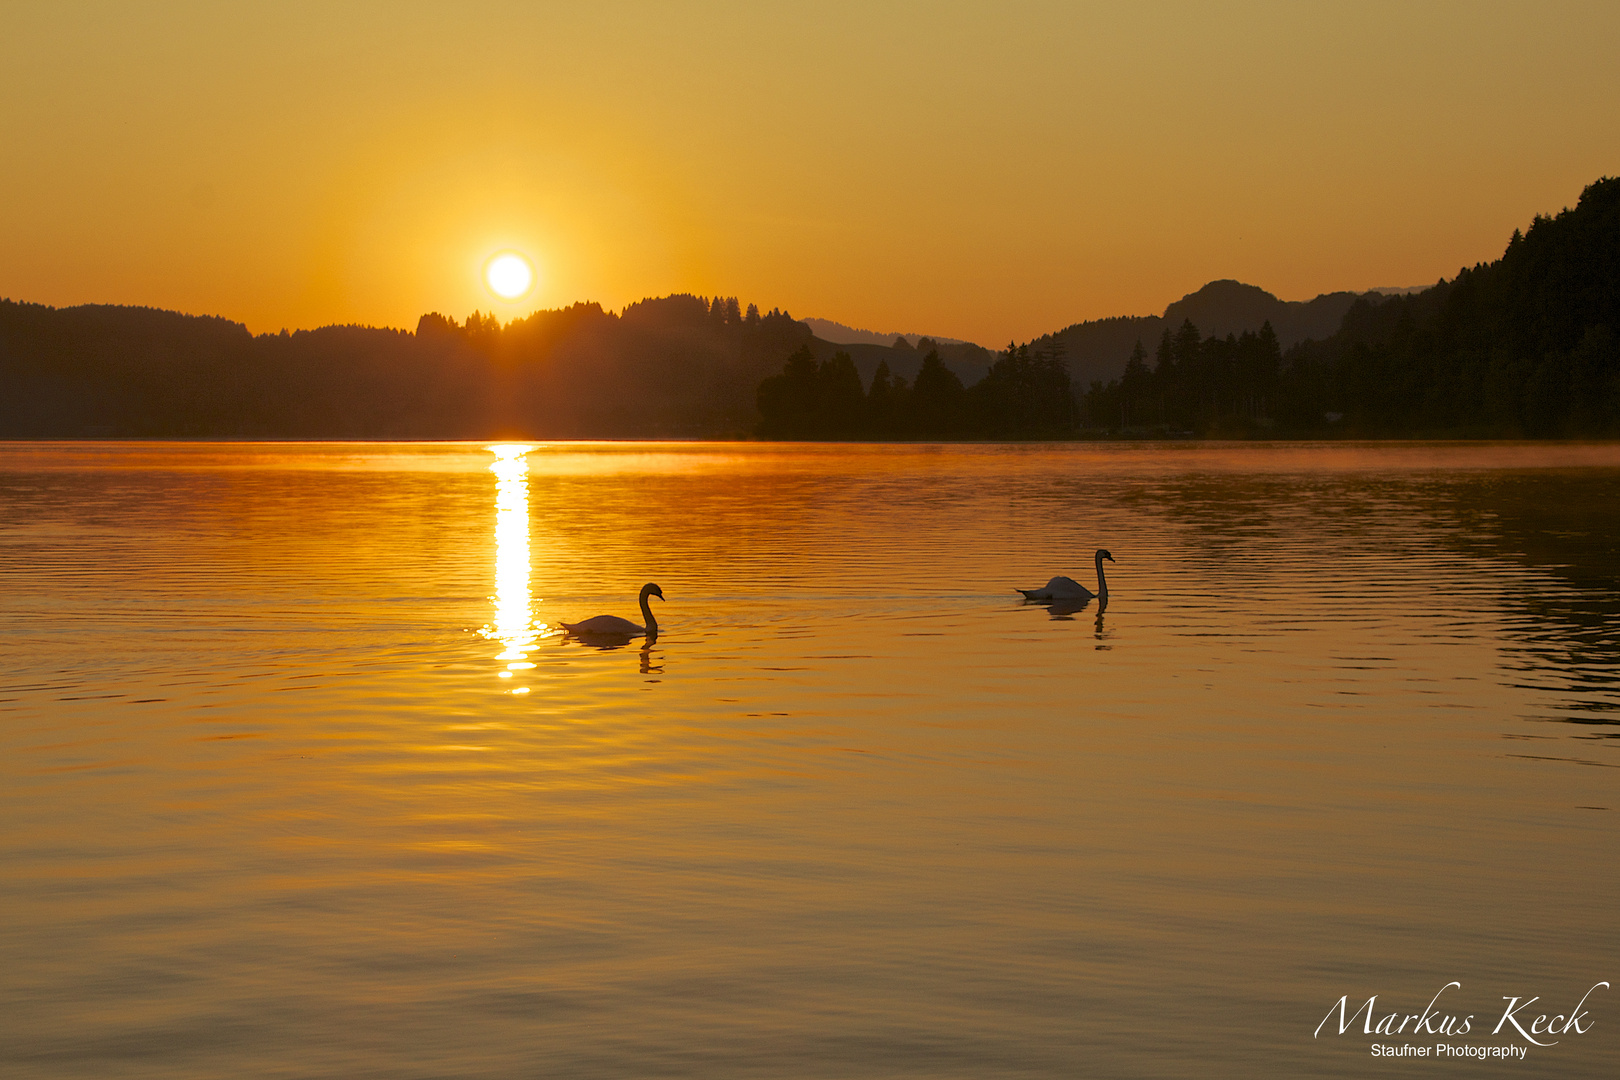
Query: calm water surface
point(297, 778)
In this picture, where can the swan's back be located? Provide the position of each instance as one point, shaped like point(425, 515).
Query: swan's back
point(604, 624)
point(1059, 588)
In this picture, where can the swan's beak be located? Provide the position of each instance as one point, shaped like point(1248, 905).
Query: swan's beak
point(1110, 558)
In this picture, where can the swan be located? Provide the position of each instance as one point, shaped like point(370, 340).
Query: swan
point(1062, 588)
point(611, 626)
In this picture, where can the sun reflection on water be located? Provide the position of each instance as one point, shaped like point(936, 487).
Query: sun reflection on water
point(514, 626)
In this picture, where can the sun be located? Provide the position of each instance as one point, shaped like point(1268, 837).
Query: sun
point(509, 275)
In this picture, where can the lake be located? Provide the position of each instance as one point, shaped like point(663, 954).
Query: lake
point(299, 778)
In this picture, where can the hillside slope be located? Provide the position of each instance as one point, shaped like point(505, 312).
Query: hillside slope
point(1097, 350)
point(678, 366)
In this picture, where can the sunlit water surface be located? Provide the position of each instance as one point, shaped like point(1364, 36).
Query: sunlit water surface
point(298, 778)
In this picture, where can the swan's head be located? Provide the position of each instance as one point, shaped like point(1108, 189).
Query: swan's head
point(1104, 553)
point(650, 589)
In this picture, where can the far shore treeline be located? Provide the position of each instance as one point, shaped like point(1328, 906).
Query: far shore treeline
point(1525, 346)
point(676, 367)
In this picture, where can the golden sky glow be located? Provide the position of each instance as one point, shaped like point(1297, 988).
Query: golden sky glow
point(977, 170)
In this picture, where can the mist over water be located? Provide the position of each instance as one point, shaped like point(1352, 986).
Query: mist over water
point(299, 778)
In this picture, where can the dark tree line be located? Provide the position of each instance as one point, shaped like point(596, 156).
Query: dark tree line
point(1213, 386)
point(1526, 346)
point(1022, 396)
point(675, 366)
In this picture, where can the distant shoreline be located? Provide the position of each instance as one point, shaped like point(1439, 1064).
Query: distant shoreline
point(1527, 346)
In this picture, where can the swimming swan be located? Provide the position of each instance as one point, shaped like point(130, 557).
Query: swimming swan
point(1062, 588)
point(611, 626)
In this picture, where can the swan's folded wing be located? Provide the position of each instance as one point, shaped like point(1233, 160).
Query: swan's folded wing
point(1064, 588)
point(604, 624)
point(1059, 588)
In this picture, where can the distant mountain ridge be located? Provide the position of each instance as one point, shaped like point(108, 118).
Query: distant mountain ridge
point(1098, 349)
point(839, 334)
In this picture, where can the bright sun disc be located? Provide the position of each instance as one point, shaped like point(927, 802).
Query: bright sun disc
point(509, 276)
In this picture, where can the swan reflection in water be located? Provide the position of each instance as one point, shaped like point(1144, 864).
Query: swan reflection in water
point(647, 665)
point(1101, 633)
point(1067, 609)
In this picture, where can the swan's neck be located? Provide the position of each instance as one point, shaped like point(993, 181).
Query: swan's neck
point(646, 613)
point(1102, 582)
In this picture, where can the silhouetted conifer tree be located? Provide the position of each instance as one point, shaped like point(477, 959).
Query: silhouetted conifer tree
point(433, 324)
point(788, 403)
point(1136, 407)
point(1164, 358)
point(483, 332)
point(841, 403)
point(886, 403)
point(938, 400)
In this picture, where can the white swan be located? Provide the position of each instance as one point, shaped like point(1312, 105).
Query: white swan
point(611, 626)
point(1062, 588)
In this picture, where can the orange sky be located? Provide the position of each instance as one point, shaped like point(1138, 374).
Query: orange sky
point(984, 171)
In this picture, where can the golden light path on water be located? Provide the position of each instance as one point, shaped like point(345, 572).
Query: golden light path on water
point(514, 626)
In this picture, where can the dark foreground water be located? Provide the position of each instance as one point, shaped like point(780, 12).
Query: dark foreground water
point(297, 778)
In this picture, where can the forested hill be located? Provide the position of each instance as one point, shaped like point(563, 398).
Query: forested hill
point(1527, 345)
point(1097, 350)
point(1524, 346)
point(678, 366)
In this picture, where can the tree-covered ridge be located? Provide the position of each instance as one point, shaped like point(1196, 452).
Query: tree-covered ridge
point(675, 366)
point(1527, 345)
point(1097, 349)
